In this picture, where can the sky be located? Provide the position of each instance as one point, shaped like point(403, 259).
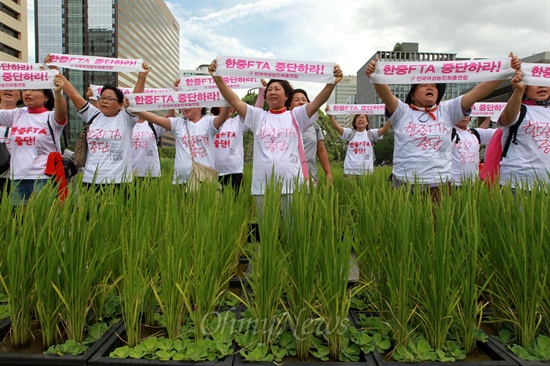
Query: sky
point(349, 32)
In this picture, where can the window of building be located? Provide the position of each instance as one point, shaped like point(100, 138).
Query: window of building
point(12, 13)
point(9, 31)
point(9, 50)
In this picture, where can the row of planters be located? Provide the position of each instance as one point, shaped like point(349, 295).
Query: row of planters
point(437, 283)
point(446, 281)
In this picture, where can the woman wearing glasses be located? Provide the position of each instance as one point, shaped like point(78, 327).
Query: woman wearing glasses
point(109, 158)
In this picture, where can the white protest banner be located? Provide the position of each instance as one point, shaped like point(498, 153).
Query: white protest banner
point(28, 79)
point(96, 89)
point(93, 63)
point(420, 72)
point(493, 110)
point(368, 109)
point(536, 74)
point(18, 66)
point(206, 82)
point(319, 72)
point(175, 100)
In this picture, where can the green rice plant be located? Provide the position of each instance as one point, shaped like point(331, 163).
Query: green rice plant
point(135, 277)
point(302, 232)
point(173, 260)
point(81, 249)
point(368, 197)
point(436, 292)
point(21, 268)
point(516, 258)
point(48, 303)
point(212, 231)
point(333, 269)
point(6, 212)
point(268, 262)
point(392, 291)
point(466, 243)
point(139, 256)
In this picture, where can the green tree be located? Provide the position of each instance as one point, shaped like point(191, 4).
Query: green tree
point(398, 47)
point(383, 150)
point(336, 147)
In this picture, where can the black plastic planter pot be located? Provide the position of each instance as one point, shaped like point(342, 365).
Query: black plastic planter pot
point(101, 357)
point(513, 356)
point(22, 359)
point(367, 360)
point(493, 357)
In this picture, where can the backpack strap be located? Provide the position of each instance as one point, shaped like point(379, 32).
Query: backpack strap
point(152, 127)
point(454, 136)
point(6, 133)
point(476, 134)
point(51, 133)
point(351, 136)
point(513, 130)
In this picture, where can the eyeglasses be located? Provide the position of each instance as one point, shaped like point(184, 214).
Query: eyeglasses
point(107, 99)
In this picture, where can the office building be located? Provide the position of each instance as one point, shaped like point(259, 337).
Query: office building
point(13, 31)
point(109, 28)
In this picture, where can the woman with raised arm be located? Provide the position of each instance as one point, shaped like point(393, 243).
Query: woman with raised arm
point(109, 156)
point(276, 152)
point(30, 139)
point(466, 143)
point(314, 140)
point(9, 99)
point(360, 141)
point(527, 160)
point(422, 130)
point(195, 136)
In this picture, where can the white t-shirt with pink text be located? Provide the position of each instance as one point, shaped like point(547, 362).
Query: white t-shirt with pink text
point(228, 147)
point(359, 153)
point(529, 159)
point(465, 164)
point(109, 159)
point(29, 141)
point(276, 147)
point(145, 152)
point(422, 145)
point(202, 135)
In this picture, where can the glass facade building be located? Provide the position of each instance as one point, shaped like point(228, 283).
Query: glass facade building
point(110, 28)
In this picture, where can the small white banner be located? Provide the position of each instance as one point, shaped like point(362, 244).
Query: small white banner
point(28, 79)
point(93, 63)
point(96, 89)
point(18, 66)
point(442, 71)
point(368, 109)
point(175, 100)
point(319, 72)
point(207, 82)
point(536, 74)
point(493, 110)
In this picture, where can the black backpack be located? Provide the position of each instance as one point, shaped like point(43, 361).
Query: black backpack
point(513, 131)
point(455, 138)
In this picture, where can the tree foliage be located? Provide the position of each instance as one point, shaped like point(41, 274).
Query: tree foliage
point(336, 147)
point(398, 47)
point(383, 150)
